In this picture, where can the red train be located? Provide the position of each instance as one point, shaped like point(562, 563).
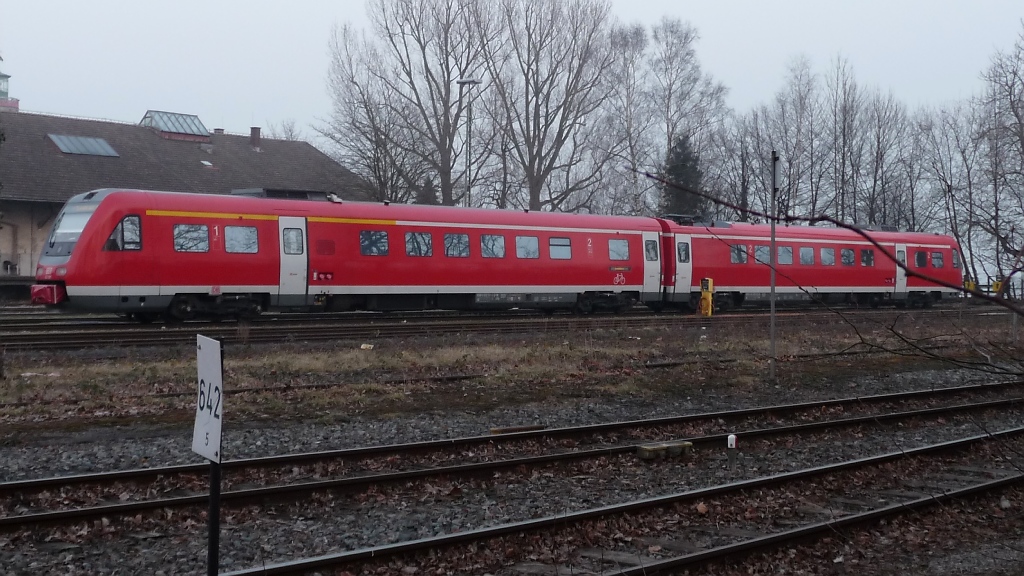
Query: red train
point(179, 256)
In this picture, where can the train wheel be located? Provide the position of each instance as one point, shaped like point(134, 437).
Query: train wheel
point(182, 308)
point(584, 305)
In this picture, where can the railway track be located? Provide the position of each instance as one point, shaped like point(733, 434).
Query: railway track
point(592, 539)
point(520, 453)
point(58, 335)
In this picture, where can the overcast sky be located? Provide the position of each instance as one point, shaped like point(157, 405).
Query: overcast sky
point(242, 63)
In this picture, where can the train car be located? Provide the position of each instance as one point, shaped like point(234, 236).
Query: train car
point(831, 265)
point(177, 255)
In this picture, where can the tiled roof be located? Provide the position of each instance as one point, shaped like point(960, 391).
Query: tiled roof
point(33, 168)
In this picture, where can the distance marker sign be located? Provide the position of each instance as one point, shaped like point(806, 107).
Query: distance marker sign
point(210, 401)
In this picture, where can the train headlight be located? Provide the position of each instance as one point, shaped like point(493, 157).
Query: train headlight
point(61, 271)
point(39, 271)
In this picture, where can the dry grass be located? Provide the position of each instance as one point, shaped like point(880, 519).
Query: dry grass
point(398, 376)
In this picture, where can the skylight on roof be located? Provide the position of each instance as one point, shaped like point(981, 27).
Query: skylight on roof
point(174, 123)
point(83, 145)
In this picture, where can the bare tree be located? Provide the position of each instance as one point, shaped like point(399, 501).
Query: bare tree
point(846, 142)
point(547, 71)
point(628, 121)
point(688, 101)
point(286, 130)
point(1003, 113)
point(886, 124)
point(428, 46)
point(371, 140)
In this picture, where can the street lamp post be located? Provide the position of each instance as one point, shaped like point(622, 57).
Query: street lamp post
point(467, 83)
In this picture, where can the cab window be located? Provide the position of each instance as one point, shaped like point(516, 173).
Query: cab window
point(127, 235)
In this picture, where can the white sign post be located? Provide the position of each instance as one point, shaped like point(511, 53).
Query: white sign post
point(206, 434)
point(210, 407)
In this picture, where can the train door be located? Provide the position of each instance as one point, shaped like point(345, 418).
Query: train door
point(129, 263)
point(652, 267)
point(684, 269)
point(900, 282)
point(294, 261)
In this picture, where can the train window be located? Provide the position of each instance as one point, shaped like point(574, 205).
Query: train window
point(867, 257)
point(127, 235)
point(683, 252)
point(956, 259)
point(325, 247)
point(559, 248)
point(293, 241)
point(527, 247)
point(921, 259)
point(418, 244)
point(738, 254)
point(848, 257)
point(492, 246)
point(807, 255)
point(785, 254)
point(373, 243)
point(618, 249)
point(651, 250)
point(762, 254)
point(241, 240)
point(456, 245)
point(937, 260)
point(191, 238)
point(828, 256)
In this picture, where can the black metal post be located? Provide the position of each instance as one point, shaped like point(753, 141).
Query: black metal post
point(213, 552)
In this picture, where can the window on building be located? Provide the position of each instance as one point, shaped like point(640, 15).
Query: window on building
point(618, 249)
point(373, 243)
point(651, 250)
point(82, 145)
point(418, 244)
point(559, 248)
point(127, 235)
point(456, 245)
point(848, 257)
point(527, 247)
point(807, 256)
point(241, 239)
point(683, 252)
point(785, 254)
point(492, 246)
point(191, 238)
point(738, 254)
point(937, 260)
point(867, 257)
point(828, 256)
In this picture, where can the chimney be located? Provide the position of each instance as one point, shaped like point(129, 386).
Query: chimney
point(218, 130)
point(254, 137)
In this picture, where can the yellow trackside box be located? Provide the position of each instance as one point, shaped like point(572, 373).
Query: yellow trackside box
point(707, 292)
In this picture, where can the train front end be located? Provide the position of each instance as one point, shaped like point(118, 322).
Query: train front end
point(56, 260)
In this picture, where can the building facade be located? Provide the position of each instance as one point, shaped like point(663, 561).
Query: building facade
point(46, 159)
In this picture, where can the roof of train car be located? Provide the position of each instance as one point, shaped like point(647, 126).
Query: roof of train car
point(204, 203)
point(783, 232)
